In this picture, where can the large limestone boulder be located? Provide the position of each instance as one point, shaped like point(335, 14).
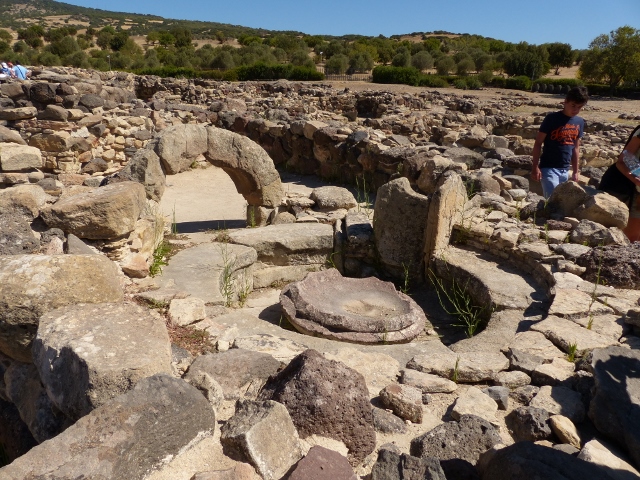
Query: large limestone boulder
point(109, 347)
point(25, 199)
point(614, 265)
point(34, 284)
point(102, 213)
point(566, 197)
point(22, 113)
point(130, 437)
point(10, 136)
point(399, 228)
point(604, 209)
point(248, 165)
point(19, 158)
point(50, 142)
point(325, 398)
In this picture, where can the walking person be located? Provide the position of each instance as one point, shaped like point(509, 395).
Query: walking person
point(557, 145)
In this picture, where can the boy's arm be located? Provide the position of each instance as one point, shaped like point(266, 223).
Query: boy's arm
point(575, 161)
point(536, 174)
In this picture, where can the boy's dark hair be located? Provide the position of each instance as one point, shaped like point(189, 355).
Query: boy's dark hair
point(578, 95)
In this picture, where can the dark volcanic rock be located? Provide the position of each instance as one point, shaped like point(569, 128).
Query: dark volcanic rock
point(618, 266)
point(16, 236)
point(464, 440)
point(323, 464)
point(325, 397)
point(529, 423)
point(394, 466)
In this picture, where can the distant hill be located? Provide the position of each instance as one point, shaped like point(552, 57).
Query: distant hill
point(18, 14)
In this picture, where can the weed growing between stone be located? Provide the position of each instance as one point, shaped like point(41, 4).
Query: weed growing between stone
point(330, 262)
point(159, 258)
point(594, 296)
point(572, 352)
point(227, 283)
point(243, 290)
point(363, 197)
point(455, 300)
point(456, 371)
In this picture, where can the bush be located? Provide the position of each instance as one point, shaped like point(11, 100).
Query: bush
point(518, 83)
point(402, 75)
point(498, 82)
point(473, 83)
point(460, 83)
point(263, 71)
point(485, 77)
point(433, 81)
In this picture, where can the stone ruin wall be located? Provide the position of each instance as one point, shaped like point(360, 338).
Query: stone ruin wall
point(305, 128)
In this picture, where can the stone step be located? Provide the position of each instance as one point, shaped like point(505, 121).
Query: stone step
point(204, 270)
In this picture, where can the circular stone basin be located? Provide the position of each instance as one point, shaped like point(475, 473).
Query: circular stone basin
point(360, 310)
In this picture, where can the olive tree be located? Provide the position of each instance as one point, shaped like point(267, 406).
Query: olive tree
point(613, 58)
point(560, 55)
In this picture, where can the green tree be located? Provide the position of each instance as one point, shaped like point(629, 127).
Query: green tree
point(360, 62)
point(560, 55)
point(63, 47)
point(526, 62)
point(613, 58)
point(465, 66)
point(422, 60)
point(5, 35)
point(104, 39)
point(118, 41)
point(183, 37)
point(166, 39)
point(445, 65)
point(224, 61)
point(153, 37)
point(402, 58)
point(337, 64)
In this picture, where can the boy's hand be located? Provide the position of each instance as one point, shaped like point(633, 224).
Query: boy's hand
point(575, 176)
point(536, 174)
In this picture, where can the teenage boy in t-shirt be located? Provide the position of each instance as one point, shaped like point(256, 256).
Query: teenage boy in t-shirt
point(559, 139)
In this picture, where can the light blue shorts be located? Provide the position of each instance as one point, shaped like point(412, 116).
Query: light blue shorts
point(551, 178)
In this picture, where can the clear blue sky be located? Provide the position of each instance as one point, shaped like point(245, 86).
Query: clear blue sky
point(575, 22)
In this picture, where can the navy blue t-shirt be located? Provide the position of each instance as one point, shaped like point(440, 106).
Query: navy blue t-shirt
point(562, 134)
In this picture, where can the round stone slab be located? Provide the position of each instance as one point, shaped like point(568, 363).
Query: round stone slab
point(351, 304)
point(345, 295)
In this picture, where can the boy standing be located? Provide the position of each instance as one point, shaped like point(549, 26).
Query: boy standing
point(559, 139)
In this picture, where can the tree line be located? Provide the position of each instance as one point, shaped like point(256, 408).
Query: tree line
point(612, 59)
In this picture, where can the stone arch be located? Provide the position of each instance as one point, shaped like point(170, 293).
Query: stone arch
point(246, 162)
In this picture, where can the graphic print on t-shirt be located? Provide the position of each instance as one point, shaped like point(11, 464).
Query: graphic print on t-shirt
point(566, 134)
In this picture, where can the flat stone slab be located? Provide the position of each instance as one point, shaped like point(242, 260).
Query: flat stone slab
point(199, 270)
point(570, 303)
point(535, 343)
point(564, 333)
point(471, 367)
point(288, 244)
point(488, 282)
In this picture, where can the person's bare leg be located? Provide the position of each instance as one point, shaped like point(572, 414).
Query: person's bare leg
point(632, 230)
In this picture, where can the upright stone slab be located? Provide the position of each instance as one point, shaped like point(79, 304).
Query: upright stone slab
point(399, 228)
point(19, 158)
point(31, 285)
point(89, 353)
point(130, 437)
point(445, 211)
